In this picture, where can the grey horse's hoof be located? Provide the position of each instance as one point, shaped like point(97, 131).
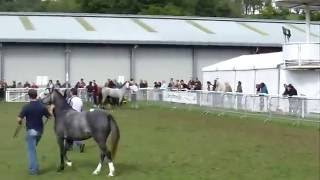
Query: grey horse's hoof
point(60, 169)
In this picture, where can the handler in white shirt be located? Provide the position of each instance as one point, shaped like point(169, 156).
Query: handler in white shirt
point(134, 90)
point(77, 104)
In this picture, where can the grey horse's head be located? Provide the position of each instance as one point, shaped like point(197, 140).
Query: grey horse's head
point(46, 97)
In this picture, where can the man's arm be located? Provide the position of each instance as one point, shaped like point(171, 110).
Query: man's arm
point(19, 120)
point(21, 115)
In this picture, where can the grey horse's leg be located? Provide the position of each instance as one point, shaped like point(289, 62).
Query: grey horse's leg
point(62, 153)
point(98, 169)
point(105, 153)
point(67, 146)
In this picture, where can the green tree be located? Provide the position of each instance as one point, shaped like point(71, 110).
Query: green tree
point(219, 8)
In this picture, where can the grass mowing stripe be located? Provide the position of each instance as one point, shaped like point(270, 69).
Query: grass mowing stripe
point(254, 29)
point(200, 27)
point(27, 24)
point(143, 25)
point(85, 24)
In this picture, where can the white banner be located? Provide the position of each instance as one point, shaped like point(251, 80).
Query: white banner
point(180, 97)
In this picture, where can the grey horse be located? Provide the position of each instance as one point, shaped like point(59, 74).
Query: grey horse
point(71, 125)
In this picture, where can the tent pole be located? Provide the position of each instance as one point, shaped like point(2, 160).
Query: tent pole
point(1, 61)
point(308, 19)
point(133, 61)
point(235, 80)
point(255, 79)
point(67, 63)
point(279, 79)
point(194, 64)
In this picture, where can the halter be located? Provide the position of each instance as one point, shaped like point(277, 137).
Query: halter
point(50, 96)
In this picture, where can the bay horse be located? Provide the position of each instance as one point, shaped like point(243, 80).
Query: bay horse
point(71, 125)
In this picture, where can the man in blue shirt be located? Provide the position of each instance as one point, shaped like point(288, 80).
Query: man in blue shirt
point(33, 113)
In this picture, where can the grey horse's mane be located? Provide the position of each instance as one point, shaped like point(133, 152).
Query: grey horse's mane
point(61, 98)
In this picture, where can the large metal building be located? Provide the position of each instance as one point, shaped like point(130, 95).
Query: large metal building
point(68, 47)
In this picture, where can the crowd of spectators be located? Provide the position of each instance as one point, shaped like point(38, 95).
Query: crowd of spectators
point(179, 85)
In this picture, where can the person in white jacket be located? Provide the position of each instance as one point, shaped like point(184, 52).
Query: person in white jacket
point(133, 91)
point(77, 104)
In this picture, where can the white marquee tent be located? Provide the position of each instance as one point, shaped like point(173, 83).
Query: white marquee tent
point(267, 68)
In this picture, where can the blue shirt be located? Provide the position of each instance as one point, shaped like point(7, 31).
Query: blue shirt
point(33, 112)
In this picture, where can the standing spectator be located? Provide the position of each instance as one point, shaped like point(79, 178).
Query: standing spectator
point(141, 84)
point(111, 84)
point(228, 87)
point(155, 84)
point(95, 93)
point(90, 90)
point(263, 88)
point(19, 85)
point(82, 83)
point(77, 104)
point(66, 85)
point(2, 90)
point(197, 86)
point(293, 101)
point(171, 84)
point(107, 83)
point(34, 86)
point(14, 85)
point(198, 82)
point(131, 82)
point(117, 84)
point(177, 85)
point(57, 85)
point(239, 95)
point(209, 86)
point(285, 93)
point(183, 85)
point(191, 84)
point(163, 85)
point(239, 87)
point(50, 85)
point(133, 91)
point(263, 91)
point(26, 85)
point(33, 113)
point(145, 83)
point(77, 86)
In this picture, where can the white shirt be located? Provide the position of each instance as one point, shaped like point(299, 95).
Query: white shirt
point(76, 103)
point(163, 86)
point(134, 88)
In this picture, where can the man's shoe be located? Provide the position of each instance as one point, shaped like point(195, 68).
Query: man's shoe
point(34, 173)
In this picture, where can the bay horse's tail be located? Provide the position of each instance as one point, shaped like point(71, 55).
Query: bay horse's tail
point(115, 136)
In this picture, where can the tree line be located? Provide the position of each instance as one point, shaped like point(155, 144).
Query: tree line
point(209, 8)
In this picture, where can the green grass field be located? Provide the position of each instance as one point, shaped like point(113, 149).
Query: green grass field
point(158, 142)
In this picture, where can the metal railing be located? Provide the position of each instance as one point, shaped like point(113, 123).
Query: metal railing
point(21, 94)
point(297, 108)
point(302, 55)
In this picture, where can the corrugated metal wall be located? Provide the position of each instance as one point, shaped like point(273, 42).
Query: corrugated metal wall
point(24, 63)
point(99, 63)
point(209, 56)
point(157, 64)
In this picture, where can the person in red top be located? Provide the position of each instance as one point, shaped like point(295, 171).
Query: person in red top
point(90, 92)
point(34, 86)
point(82, 83)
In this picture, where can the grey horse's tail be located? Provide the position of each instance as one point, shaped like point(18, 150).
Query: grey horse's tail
point(115, 136)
